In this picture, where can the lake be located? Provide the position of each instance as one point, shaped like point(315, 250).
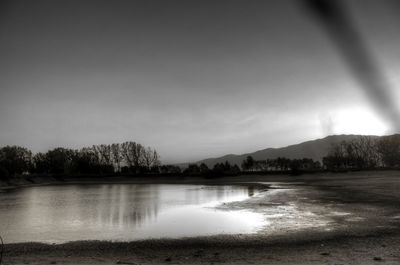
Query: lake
point(123, 212)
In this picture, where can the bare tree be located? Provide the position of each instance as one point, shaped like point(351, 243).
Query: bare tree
point(389, 150)
point(104, 153)
point(116, 155)
point(132, 154)
point(150, 158)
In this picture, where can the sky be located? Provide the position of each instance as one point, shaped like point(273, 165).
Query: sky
point(192, 79)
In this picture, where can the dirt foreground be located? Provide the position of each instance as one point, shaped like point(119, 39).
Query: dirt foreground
point(351, 218)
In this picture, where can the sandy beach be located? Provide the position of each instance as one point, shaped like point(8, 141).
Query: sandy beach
point(346, 218)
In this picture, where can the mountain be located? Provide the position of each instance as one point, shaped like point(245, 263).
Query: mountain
point(315, 149)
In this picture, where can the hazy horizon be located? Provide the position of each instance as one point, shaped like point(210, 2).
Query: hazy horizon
point(192, 79)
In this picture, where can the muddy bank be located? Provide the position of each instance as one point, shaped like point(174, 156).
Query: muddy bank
point(382, 248)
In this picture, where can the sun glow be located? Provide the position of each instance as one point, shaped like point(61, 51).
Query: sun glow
point(358, 121)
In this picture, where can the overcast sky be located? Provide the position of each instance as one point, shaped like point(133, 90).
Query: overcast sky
point(193, 79)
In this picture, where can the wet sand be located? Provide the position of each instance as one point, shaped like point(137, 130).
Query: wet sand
point(351, 218)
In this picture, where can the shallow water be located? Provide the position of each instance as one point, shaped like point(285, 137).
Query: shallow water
point(123, 212)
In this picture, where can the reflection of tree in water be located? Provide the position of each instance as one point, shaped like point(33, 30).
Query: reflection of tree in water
point(128, 205)
point(250, 191)
point(107, 209)
point(119, 206)
point(205, 194)
point(135, 205)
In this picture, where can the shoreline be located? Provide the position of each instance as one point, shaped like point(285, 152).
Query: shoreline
point(26, 181)
point(355, 249)
point(372, 197)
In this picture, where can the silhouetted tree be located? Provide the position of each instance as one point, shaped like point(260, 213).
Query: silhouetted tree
point(133, 155)
point(59, 159)
point(41, 164)
point(15, 160)
point(192, 170)
point(235, 170)
point(150, 158)
point(116, 155)
point(4, 175)
point(204, 170)
point(218, 169)
point(226, 168)
point(104, 153)
point(97, 159)
point(84, 161)
point(260, 165)
point(170, 169)
point(389, 150)
point(248, 163)
point(359, 153)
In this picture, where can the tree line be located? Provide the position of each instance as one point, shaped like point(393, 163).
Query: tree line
point(364, 152)
point(361, 153)
point(127, 157)
point(280, 164)
point(219, 169)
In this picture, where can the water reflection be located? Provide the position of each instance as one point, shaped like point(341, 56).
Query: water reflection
point(122, 212)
